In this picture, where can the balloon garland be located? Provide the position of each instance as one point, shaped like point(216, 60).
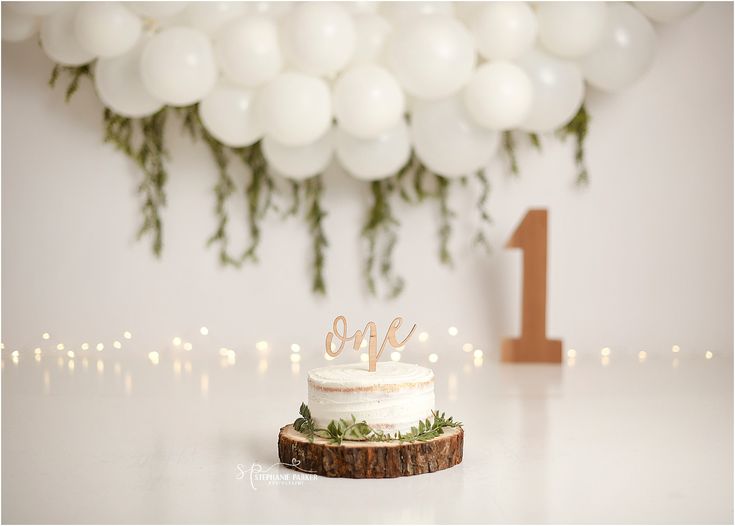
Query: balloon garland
point(411, 97)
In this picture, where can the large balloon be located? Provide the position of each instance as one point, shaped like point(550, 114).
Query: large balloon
point(106, 29)
point(17, 26)
point(400, 12)
point(377, 158)
point(59, 41)
point(371, 35)
point(295, 109)
point(319, 38)
point(503, 30)
point(178, 66)
point(248, 51)
point(432, 56)
point(209, 17)
point(272, 9)
point(665, 12)
point(299, 162)
point(35, 8)
point(120, 87)
point(157, 10)
point(368, 101)
point(448, 141)
point(228, 113)
point(625, 53)
point(571, 29)
point(558, 90)
point(499, 95)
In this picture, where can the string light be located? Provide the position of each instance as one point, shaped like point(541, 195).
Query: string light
point(467, 347)
point(295, 347)
point(364, 357)
point(153, 356)
point(675, 348)
point(478, 361)
point(395, 356)
point(642, 355)
point(262, 346)
point(295, 358)
point(100, 366)
point(478, 353)
point(85, 346)
point(708, 355)
point(328, 357)
point(45, 336)
point(117, 345)
point(188, 346)
point(127, 335)
point(100, 346)
point(423, 337)
point(363, 344)
point(70, 354)
point(433, 357)
point(37, 357)
point(37, 351)
point(60, 347)
point(453, 331)
point(176, 341)
point(571, 353)
point(203, 331)
point(605, 351)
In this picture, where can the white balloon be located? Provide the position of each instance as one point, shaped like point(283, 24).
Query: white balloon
point(448, 141)
point(368, 101)
point(17, 27)
point(558, 90)
point(433, 56)
point(120, 87)
point(371, 35)
point(35, 8)
point(228, 113)
point(626, 52)
point(156, 9)
point(400, 12)
point(299, 162)
point(319, 38)
point(295, 109)
point(359, 7)
point(665, 12)
point(209, 17)
point(178, 66)
point(59, 41)
point(106, 29)
point(248, 51)
point(272, 9)
point(503, 30)
point(378, 158)
point(571, 29)
point(499, 95)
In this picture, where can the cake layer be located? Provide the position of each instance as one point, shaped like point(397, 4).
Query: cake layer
point(393, 398)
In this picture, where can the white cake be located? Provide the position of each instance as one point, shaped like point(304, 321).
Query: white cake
point(393, 398)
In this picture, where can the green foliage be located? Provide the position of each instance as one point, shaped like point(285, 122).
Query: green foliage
point(509, 146)
point(426, 430)
point(74, 75)
point(315, 214)
point(535, 140)
point(380, 229)
point(304, 424)
point(445, 220)
point(485, 219)
point(578, 128)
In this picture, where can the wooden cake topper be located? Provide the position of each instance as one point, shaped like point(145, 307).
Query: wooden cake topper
point(339, 331)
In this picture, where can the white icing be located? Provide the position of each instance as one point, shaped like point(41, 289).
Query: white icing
point(393, 398)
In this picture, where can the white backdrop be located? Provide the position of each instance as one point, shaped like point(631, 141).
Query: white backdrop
point(640, 260)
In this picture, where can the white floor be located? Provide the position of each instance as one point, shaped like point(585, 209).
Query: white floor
point(113, 437)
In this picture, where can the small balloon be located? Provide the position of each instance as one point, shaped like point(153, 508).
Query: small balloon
point(371, 35)
point(503, 30)
point(248, 50)
point(228, 113)
point(59, 41)
point(178, 66)
point(448, 141)
point(295, 109)
point(275, 10)
point(319, 38)
point(210, 17)
point(157, 10)
point(432, 55)
point(571, 29)
point(368, 101)
point(120, 86)
point(17, 27)
point(400, 12)
point(373, 159)
point(36, 8)
point(499, 95)
point(666, 12)
point(558, 91)
point(106, 29)
point(299, 162)
point(626, 52)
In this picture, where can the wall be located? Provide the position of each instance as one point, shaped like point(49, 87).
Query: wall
point(642, 259)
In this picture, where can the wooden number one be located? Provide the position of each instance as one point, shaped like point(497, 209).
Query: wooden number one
point(532, 346)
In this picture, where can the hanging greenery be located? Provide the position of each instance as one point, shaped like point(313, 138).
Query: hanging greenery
point(142, 141)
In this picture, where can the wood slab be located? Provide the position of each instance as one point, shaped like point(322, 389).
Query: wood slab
point(374, 460)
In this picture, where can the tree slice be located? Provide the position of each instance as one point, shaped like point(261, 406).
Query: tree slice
point(374, 460)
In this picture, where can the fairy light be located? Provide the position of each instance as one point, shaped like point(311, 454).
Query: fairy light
point(675, 348)
point(127, 335)
point(708, 355)
point(176, 341)
point(453, 331)
point(154, 357)
point(231, 357)
point(395, 356)
point(37, 357)
point(70, 365)
point(605, 352)
point(364, 357)
point(605, 361)
point(263, 366)
point(46, 336)
point(478, 353)
point(468, 347)
point(295, 358)
point(70, 354)
point(203, 330)
point(187, 346)
point(477, 361)
point(60, 347)
point(117, 345)
point(100, 346)
point(642, 355)
point(262, 346)
point(85, 346)
point(15, 357)
point(363, 344)
point(401, 348)
point(223, 351)
point(37, 351)
point(328, 357)
point(423, 337)
point(295, 347)
point(100, 366)
point(571, 353)
point(433, 357)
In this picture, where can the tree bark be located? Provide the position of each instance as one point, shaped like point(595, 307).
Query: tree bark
point(355, 459)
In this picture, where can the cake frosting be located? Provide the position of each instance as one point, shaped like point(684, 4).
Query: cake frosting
point(393, 398)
